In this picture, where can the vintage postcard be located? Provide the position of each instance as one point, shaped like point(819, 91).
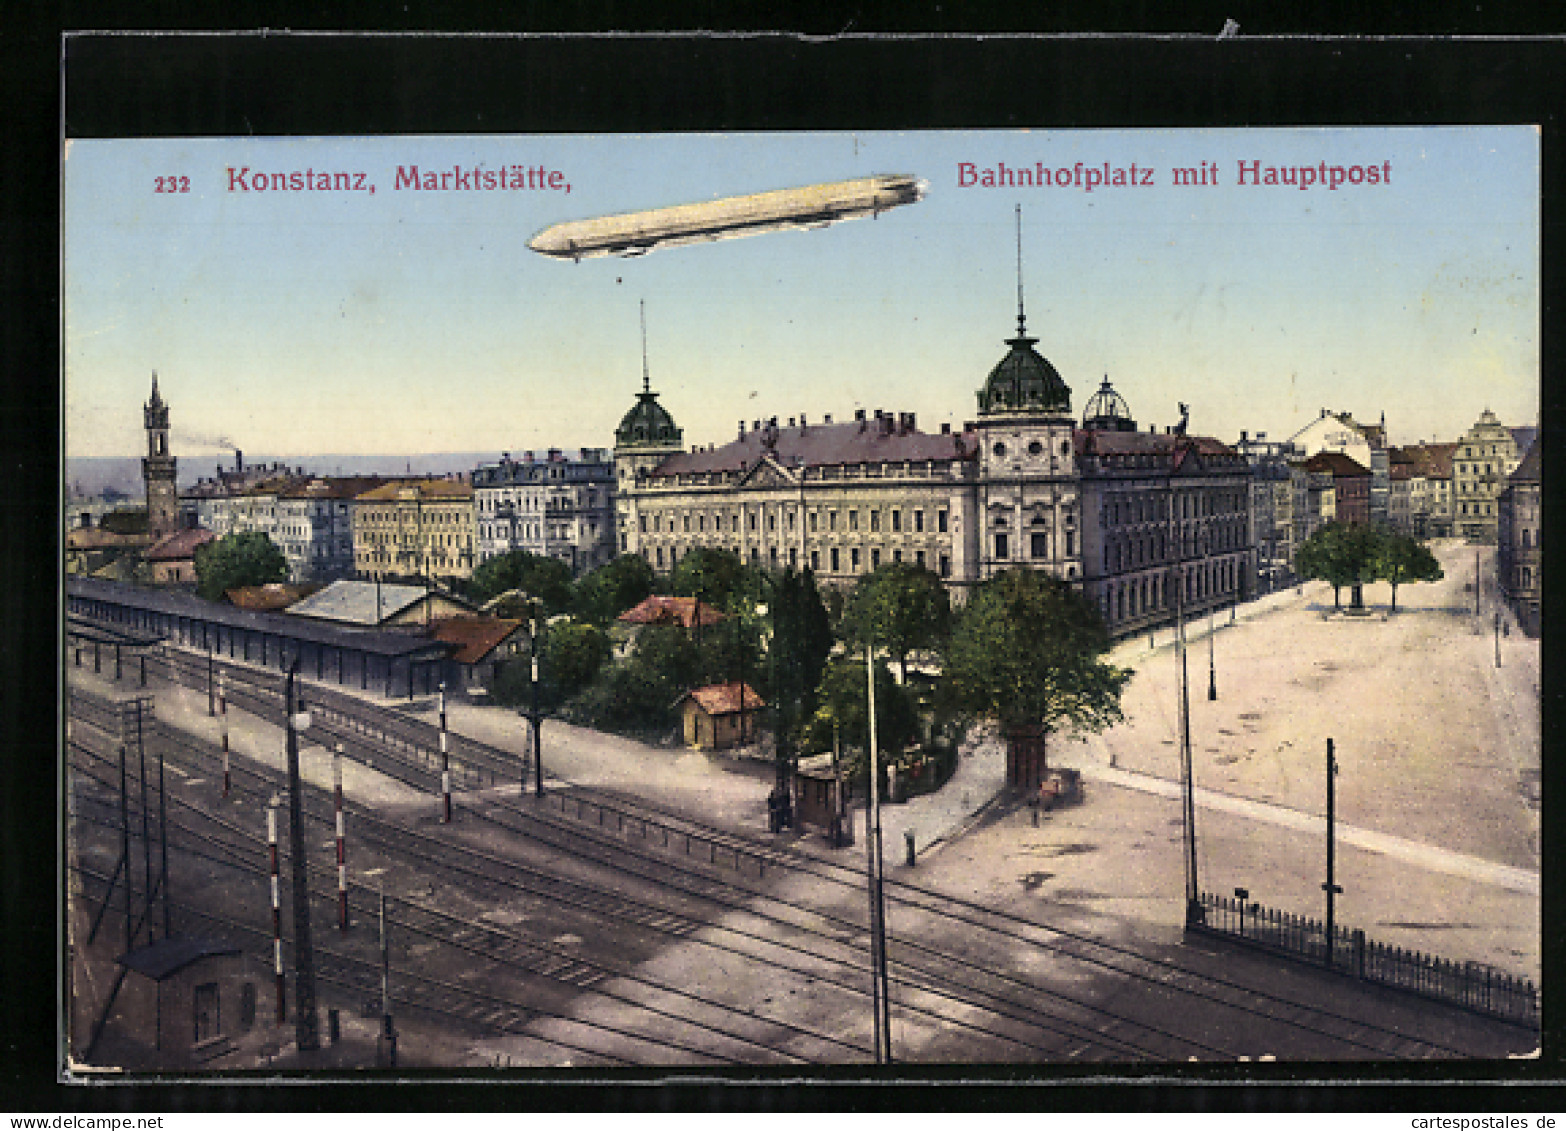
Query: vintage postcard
point(785, 601)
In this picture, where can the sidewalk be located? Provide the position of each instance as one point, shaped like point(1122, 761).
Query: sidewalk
point(936, 819)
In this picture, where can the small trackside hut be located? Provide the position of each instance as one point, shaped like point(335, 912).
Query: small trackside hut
point(720, 716)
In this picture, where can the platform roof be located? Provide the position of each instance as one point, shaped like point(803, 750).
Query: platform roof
point(378, 642)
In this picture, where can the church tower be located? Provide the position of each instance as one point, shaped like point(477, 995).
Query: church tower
point(646, 437)
point(157, 469)
point(1029, 487)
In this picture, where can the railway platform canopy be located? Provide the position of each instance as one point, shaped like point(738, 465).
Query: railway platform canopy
point(392, 661)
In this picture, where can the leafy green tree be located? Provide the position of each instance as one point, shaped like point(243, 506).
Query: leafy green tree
point(899, 607)
point(573, 656)
point(540, 577)
point(611, 589)
point(236, 560)
point(797, 653)
point(842, 712)
point(638, 695)
point(1025, 651)
point(1403, 559)
point(718, 578)
point(1340, 554)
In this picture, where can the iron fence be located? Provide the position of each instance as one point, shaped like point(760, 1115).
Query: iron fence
point(1471, 985)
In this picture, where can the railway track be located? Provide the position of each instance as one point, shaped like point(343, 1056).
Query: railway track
point(228, 843)
point(631, 836)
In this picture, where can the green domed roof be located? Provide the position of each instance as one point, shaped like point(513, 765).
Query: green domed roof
point(647, 425)
point(1024, 382)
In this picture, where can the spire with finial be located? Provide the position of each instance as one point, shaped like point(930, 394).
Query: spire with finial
point(646, 380)
point(1022, 331)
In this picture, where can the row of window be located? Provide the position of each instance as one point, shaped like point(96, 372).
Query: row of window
point(488, 503)
point(833, 556)
point(1153, 594)
point(892, 522)
point(1146, 506)
point(1038, 545)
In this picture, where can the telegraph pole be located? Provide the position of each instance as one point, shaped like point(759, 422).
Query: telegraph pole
point(386, 1046)
point(1193, 906)
point(306, 1024)
point(879, 987)
point(536, 716)
point(1331, 887)
point(445, 762)
point(342, 852)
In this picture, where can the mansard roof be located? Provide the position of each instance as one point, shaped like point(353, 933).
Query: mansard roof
point(1340, 465)
point(886, 438)
point(1528, 470)
point(1431, 461)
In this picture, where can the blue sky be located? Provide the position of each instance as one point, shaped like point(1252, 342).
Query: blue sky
point(314, 322)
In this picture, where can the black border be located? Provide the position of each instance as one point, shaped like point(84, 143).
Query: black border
point(129, 84)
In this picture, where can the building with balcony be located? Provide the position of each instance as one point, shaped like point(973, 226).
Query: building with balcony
point(554, 506)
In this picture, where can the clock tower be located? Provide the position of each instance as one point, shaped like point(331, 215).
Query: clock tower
point(157, 469)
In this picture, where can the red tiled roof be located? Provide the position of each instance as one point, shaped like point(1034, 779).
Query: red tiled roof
point(725, 698)
point(671, 610)
point(179, 546)
point(1432, 461)
point(97, 538)
point(268, 598)
point(1340, 465)
point(821, 445)
point(474, 637)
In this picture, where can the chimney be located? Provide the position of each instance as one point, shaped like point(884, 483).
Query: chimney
point(859, 416)
point(791, 422)
point(755, 426)
point(239, 460)
point(802, 422)
point(741, 429)
point(827, 418)
point(1243, 439)
point(946, 428)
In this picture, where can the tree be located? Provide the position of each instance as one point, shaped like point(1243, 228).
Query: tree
point(801, 642)
point(544, 578)
point(639, 694)
point(842, 711)
point(1025, 651)
point(718, 578)
point(900, 607)
point(1403, 559)
point(611, 589)
point(573, 656)
point(1340, 554)
point(236, 560)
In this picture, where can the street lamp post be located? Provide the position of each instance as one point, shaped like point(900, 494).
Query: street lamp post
point(1212, 670)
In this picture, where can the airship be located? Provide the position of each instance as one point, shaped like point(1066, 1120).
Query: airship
point(815, 206)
